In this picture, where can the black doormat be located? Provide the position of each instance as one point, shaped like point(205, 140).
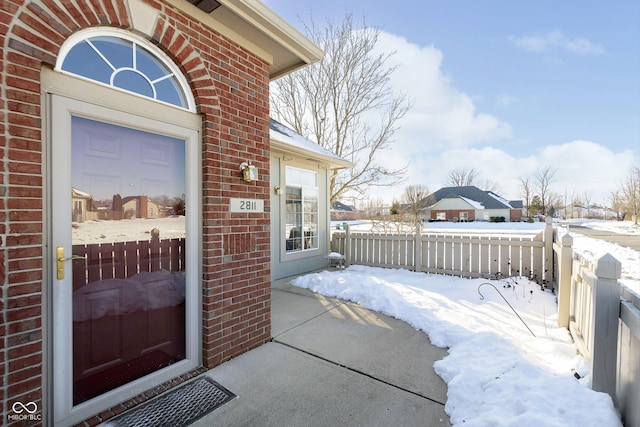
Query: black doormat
point(178, 407)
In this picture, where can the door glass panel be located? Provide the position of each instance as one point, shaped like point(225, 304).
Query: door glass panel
point(128, 233)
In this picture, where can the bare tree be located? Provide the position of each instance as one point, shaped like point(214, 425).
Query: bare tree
point(462, 177)
point(374, 208)
point(630, 189)
point(577, 204)
point(488, 185)
point(346, 104)
point(543, 178)
point(416, 199)
point(588, 196)
point(616, 201)
point(565, 201)
point(527, 192)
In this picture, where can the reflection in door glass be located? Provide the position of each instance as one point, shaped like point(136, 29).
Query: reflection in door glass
point(128, 225)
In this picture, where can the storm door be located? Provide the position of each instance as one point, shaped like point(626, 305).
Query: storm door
point(124, 212)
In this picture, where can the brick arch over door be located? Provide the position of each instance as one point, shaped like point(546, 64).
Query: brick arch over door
point(230, 87)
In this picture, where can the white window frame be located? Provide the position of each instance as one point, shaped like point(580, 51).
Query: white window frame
point(304, 252)
point(123, 108)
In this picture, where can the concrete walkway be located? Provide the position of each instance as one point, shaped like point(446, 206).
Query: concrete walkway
point(332, 363)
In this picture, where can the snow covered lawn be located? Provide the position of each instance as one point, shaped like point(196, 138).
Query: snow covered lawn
point(592, 249)
point(497, 372)
point(126, 230)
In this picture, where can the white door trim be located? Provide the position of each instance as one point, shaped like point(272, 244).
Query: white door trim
point(59, 199)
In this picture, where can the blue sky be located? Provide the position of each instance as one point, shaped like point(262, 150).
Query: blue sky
point(507, 87)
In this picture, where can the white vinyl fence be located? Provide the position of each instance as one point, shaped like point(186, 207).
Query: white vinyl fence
point(604, 320)
point(464, 254)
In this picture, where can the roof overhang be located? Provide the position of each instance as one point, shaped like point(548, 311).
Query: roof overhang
point(331, 161)
point(456, 198)
point(256, 28)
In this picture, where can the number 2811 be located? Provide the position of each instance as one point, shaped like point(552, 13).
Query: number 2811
point(248, 205)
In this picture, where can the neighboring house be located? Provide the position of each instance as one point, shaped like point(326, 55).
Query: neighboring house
point(139, 207)
point(81, 206)
point(130, 97)
point(300, 221)
point(343, 212)
point(469, 203)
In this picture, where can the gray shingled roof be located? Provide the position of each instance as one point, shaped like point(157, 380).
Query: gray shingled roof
point(473, 193)
point(339, 206)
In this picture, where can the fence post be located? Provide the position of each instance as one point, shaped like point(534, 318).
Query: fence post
point(606, 312)
point(548, 252)
point(347, 246)
point(565, 260)
point(417, 253)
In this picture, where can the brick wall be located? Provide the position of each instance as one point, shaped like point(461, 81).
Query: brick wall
point(230, 86)
point(453, 213)
point(516, 215)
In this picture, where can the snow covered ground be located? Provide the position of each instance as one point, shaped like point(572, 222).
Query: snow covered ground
point(592, 249)
point(621, 227)
point(497, 372)
point(126, 230)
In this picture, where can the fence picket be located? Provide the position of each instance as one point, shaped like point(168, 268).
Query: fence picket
point(131, 258)
point(79, 266)
point(467, 255)
point(440, 254)
point(494, 256)
point(505, 257)
point(431, 250)
point(124, 259)
point(154, 254)
point(526, 262)
point(538, 260)
point(106, 261)
point(119, 264)
point(93, 263)
point(174, 254)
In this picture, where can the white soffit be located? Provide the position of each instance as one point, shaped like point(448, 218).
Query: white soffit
point(258, 29)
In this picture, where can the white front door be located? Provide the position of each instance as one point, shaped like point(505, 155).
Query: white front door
point(124, 254)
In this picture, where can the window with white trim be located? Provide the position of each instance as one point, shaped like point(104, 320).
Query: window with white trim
point(115, 59)
point(302, 210)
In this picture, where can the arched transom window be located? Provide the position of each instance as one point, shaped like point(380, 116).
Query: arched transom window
point(118, 59)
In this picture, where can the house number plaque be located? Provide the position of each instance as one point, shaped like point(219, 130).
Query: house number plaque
point(246, 205)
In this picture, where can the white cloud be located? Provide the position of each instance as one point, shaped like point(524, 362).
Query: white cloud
point(586, 166)
point(442, 115)
point(444, 131)
point(556, 39)
point(582, 166)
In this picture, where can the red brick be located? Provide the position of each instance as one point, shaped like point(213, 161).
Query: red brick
point(25, 362)
point(25, 386)
point(29, 348)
